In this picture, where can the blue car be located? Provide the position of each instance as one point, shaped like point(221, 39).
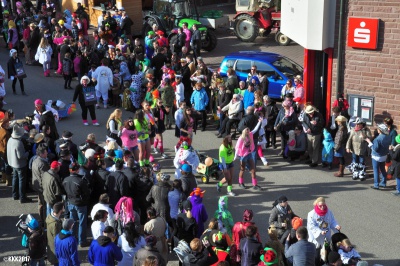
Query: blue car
point(278, 68)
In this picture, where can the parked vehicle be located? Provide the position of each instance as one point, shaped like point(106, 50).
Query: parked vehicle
point(278, 68)
point(171, 14)
point(254, 18)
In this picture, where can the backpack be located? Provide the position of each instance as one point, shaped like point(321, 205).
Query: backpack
point(127, 101)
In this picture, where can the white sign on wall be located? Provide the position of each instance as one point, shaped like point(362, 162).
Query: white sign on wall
point(310, 23)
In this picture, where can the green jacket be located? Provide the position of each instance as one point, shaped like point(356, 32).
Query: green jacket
point(54, 227)
point(168, 96)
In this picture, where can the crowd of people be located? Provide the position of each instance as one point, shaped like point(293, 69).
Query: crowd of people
point(135, 213)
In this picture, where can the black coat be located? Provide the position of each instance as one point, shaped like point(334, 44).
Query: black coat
point(318, 127)
point(78, 94)
point(250, 121)
point(395, 155)
point(131, 175)
point(47, 118)
point(158, 196)
point(271, 112)
point(11, 66)
point(63, 49)
point(34, 40)
point(224, 98)
point(77, 190)
point(286, 123)
point(126, 25)
point(186, 227)
point(117, 186)
point(204, 258)
point(158, 62)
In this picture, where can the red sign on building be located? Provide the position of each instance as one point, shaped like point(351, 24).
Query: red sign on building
point(363, 33)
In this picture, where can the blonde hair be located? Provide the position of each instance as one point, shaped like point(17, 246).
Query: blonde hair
point(345, 243)
point(44, 43)
point(91, 137)
point(244, 134)
point(318, 200)
point(112, 145)
point(272, 233)
point(114, 115)
point(196, 245)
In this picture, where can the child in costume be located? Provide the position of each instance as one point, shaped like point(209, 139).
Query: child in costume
point(199, 211)
point(291, 144)
point(327, 150)
point(224, 217)
point(185, 155)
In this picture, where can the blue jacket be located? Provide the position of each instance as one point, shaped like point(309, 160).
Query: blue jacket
point(301, 253)
point(103, 252)
point(200, 99)
point(66, 249)
point(380, 145)
point(327, 148)
point(250, 250)
point(124, 71)
point(248, 99)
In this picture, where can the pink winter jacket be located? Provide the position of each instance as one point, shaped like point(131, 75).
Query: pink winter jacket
point(242, 150)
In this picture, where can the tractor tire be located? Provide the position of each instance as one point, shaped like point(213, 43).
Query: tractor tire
point(171, 41)
point(246, 28)
point(210, 42)
point(282, 39)
point(147, 27)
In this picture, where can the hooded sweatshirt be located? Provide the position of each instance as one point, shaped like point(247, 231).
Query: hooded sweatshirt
point(103, 252)
point(66, 247)
point(199, 213)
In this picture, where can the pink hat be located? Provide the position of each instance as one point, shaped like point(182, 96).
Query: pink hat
point(38, 102)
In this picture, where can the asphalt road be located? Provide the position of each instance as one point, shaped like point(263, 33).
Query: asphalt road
point(368, 217)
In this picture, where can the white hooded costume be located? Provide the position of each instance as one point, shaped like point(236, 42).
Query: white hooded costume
point(189, 157)
point(104, 77)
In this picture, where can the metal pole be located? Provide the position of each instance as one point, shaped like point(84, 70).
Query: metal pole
point(339, 90)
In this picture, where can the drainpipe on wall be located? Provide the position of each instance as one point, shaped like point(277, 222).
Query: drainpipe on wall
point(339, 90)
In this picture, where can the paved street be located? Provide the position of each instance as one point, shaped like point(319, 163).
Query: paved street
point(368, 217)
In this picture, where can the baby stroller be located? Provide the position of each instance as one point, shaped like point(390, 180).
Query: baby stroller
point(23, 223)
point(208, 167)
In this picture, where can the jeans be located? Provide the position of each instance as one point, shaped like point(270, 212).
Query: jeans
point(46, 65)
point(39, 262)
point(376, 167)
point(18, 183)
point(358, 158)
point(79, 213)
point(398, 185)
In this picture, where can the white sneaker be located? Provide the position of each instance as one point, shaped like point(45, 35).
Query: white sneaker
point(231, 194)
point(86, 124)
point(96, 124)
point(164, 156)
point(155, 151)
point(265, 162)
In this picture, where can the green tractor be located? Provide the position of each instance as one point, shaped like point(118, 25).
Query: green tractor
point(171, 14)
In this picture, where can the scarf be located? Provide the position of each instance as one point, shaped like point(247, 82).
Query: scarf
point(281, 209)
point(358, 128)
point(319, 211)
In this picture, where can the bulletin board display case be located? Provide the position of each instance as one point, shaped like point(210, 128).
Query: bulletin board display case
point(362, 106)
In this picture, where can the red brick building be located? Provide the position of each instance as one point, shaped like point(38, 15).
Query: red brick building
point(371, 73)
